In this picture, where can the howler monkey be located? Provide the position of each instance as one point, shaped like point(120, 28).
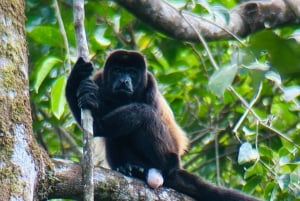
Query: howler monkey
point(141, 136)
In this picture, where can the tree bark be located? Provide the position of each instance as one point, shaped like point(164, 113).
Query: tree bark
point(22, 162)
point(109, 185)
point(243, 20)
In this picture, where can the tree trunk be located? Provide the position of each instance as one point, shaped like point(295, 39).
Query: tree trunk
point(22, 162)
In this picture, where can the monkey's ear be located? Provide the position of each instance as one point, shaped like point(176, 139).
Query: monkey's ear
point(125, 58)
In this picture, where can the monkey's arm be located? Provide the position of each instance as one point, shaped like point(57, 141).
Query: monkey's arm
point(126, 119)
point(81, 71)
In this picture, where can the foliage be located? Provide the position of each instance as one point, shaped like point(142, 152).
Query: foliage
point(251, 98)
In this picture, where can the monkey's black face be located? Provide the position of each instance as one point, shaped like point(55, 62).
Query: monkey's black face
point(124, 80)
point(125, 75)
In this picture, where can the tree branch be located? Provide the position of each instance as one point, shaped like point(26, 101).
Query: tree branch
point(109, 185)
point(243, 20)
point(86, 115)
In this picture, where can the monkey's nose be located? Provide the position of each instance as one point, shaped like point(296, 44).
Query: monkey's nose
point(125, 82)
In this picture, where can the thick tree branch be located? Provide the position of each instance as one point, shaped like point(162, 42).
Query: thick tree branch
point(109, 185)
point(243, 20)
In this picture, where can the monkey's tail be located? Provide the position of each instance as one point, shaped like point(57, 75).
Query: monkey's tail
point(194, 186)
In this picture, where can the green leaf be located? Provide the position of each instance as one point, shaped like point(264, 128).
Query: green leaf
point(289, 167)
point(284, 53)
point(222, 79)
point(46, 35)
point(273, 76)
point(284, 152)
point(256, 76)
point(270, 190)
point(99, 37)
point(291, 93)
point(256, 169)
point(258, 66)
point(221, 13)
point(125, 18)
point(171, 78)
point(266, 151)
point(283, 181)
point(43, 69)
point(202, 7)
point(58, 100)
point(252, 183)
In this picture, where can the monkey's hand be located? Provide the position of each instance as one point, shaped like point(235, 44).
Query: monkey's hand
point(81, 70)
point(87, 95)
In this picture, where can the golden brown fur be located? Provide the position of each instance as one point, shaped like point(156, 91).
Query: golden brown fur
point(178, 135)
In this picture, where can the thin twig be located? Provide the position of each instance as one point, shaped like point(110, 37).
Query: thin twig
point(58, 129)
point(241, 120)
point(63, 33)
point(86, 117)
point(203, 42)
point(261, 122)
point(217, 156)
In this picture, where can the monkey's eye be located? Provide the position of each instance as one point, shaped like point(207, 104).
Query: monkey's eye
point(132, 71)
point(116, 70)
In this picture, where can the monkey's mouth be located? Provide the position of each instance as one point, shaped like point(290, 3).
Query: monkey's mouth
point(123, 91)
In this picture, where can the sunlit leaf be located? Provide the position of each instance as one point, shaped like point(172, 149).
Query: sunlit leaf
point(43, 69)
point(99, 37)
point(143, 41)
point(202, 7)
point(248, 132)
point(242, 56)
point(296, 35)
point(291, 93)
point(46, 35)
point(58, 100)
point(273, 76)
point(257, 66)
point(221, 13)
point(247, 153)
point(222, 79)
point(283, 181)
point(289, 167)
